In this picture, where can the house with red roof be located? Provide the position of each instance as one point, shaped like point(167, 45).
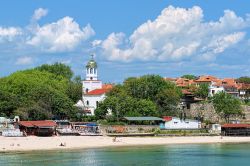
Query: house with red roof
point(93, 90)
point(38, 128)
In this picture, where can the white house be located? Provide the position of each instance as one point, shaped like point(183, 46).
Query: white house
point(177, 123)
point(93, 89)
point(214, 88)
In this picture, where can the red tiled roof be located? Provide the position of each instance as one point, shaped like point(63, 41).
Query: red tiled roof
point(167, 118)
point(229, 125)
point(207, 79)
point(243, 86)
point(39, 123)
point(98, 92)
point(107, 86)
point(170, 79)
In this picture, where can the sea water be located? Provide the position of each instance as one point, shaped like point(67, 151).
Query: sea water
point(188, 155)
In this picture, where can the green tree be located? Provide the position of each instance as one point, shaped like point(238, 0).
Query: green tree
point(149, 95)
point(168, 101)
point(202, 91)
point(8, 103)
point(226, 105)
point(74, 89)
point(36, 91)
point(189, 76)
point(57, 69)
point(244, 79)
point(146, 87)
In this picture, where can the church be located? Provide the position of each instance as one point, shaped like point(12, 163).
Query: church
point(93, 91)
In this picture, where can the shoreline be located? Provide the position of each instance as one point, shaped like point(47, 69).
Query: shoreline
point(33, 143)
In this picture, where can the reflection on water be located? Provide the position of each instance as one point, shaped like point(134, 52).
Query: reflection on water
point(210, 155)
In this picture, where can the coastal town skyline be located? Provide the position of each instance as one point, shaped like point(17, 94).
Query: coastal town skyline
point(156, 82)
point(213, 39)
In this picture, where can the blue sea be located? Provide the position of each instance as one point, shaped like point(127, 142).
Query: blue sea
point(188, 155)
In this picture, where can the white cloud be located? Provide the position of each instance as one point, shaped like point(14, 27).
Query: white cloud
point(9, 33)
point(24, 60)
point(63, 35)
point(177, 34)
point(96, 43)
point(39, 13)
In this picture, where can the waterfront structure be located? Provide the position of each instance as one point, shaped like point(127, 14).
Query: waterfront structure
point(235, 129)
point(8, 127)
point(38, 128)
point(177, 123)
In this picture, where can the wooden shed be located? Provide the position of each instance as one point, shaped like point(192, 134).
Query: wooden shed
point(38, 128)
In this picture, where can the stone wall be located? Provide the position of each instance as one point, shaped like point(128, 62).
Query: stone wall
point(105, 129)
point(247, 114)
point(207, 111)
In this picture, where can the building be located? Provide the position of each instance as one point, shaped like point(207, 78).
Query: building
point(177, 123)
point(216, 85)
point(235, 129)
point(38, 128)
point(244, 90)
point(92, 88)
point(215, 88)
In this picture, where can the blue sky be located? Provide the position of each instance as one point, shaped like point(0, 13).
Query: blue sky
point(129, 38)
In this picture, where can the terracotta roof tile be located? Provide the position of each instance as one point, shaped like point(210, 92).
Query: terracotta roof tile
point(229, 125)
point(98, 92)
point(207, 79)
point(107, 86)
point(39, 123)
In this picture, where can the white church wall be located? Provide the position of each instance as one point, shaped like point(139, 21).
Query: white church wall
point(90, 101)
point(91, 85)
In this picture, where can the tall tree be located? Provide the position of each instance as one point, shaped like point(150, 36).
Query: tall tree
point(202, 91)
point(59, 69)
point(149, 95)
point(168, 101)
point(226, 105)
point(74, 89)
point(37, 91)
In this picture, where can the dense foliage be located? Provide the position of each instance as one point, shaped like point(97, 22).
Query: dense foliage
point(202, 91)
point(244, 80)
point(226, 105)
point(45, 92)
point(189, 76)
point(149, 95)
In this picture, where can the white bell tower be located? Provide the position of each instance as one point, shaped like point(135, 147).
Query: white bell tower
point(91, 69)
point(91, 81)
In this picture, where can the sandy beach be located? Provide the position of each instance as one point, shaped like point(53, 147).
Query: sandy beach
point(81, 142)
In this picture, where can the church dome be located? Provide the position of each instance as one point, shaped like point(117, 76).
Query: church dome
point(91, 64)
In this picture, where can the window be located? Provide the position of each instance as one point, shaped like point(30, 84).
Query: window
point(213, 91)
point(87, 102)
point(97, 103)
point(87, 90)
point(175, 122)
point(91, 71)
